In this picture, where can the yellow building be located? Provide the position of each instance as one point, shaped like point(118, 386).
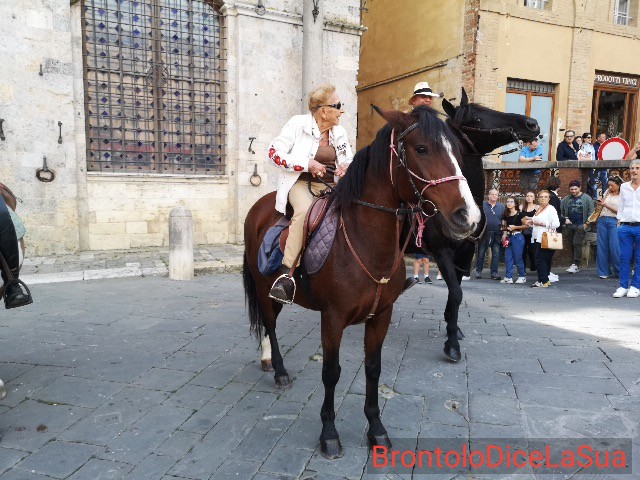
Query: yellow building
point(571, 64)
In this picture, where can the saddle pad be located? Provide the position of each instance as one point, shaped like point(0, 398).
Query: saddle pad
point(270, 255)
point(321, 242)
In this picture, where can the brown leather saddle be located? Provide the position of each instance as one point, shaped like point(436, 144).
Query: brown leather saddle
point(312, 221)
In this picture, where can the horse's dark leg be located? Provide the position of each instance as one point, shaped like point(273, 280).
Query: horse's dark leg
point(281, 376)
point(452, 278)
point(375, 332)
point(330, 446)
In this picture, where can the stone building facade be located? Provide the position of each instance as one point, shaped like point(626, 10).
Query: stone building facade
point(570, 64)
point(119, 173)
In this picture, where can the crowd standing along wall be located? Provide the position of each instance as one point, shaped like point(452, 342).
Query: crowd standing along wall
point(83, 210)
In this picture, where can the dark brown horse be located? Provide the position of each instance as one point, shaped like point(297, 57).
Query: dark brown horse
point(363, 277)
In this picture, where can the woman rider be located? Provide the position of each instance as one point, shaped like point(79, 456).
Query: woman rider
point(306, 145)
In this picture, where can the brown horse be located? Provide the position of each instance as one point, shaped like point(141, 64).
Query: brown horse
point(361, 278)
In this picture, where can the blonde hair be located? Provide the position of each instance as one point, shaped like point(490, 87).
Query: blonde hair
point(320, 96)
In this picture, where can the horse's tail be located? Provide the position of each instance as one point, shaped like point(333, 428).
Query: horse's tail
point(256, 314)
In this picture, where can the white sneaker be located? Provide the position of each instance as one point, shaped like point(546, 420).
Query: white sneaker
point(521, 280)
point(620, 292)
point(633, 293)
point(506, 280)
point(573, 269)
point(439, 277)
point(466, 277)
point(553, 277)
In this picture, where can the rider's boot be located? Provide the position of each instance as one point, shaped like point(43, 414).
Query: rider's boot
point(284, 288)
point(14, 296)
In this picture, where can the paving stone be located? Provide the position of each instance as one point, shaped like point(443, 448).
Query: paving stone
point(151, 468)
point(32, 424)
point(9, 457)
point(58, 459)
point(163, 379)
point(570, 382)
point(351, 465)
point(101, 469)
point(192, 396)
point(205, 418)
point(30, 382)
point(235, 469)
point(559, 398)
point(448, 410)
point(77, 391)
point(178, 444)
point(286, 460)
point(187, 361)
point(16, 474)
point(494, 409)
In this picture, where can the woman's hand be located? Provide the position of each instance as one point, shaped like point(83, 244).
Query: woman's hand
point(341, 170)
point(316, 168)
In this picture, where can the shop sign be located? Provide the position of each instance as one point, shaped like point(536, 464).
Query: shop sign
point(613, 79)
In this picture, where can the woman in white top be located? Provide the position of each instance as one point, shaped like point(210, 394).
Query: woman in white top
point(546, 218)
point(306, 146)
point(608, 254)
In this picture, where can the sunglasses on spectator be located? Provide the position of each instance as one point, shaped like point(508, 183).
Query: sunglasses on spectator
point(569, 136)
point(337, 106)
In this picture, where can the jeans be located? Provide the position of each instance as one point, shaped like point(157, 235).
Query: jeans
point(543, 261)
point(574, 235)
point(491, 240)
point(608, 251)
point(513, 254)
point(527, 252)
point(627, 236)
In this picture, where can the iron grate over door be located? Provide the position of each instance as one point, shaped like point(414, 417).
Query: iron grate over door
point(154, 86)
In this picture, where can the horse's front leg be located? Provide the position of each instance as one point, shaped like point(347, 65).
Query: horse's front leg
point(375, 333)
point(265, 358)
point(452, 278)
point(330, 446)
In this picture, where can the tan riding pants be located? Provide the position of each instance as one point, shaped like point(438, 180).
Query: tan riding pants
point(300, 199)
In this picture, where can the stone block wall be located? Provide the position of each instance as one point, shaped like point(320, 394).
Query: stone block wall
point(36, 92)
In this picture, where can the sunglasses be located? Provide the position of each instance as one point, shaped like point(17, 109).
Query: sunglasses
point(569, 136)
point(588, 138)
point(337, 106)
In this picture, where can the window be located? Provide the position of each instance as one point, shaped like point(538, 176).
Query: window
point(622, 12)
point(536, 4)
point(154, 86)
point(535, 99)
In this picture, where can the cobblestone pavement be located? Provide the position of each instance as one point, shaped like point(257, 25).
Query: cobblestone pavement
point(147, 378)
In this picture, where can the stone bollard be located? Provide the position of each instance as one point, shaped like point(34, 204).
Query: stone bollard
point(180, 244)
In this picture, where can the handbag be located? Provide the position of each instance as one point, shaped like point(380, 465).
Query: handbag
point(551, 240)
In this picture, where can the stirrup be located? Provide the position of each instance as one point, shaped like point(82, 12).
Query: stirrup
point(281, 300)
point(18, 282)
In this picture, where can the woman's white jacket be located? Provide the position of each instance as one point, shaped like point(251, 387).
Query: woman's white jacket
point(298, 144)
point(549, 217)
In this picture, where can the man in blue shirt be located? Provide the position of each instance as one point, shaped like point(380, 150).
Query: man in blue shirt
point(492, 236)
point(532, 152)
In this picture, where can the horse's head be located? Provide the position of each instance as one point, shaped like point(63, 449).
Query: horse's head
point(487, 129)
point(425, 169)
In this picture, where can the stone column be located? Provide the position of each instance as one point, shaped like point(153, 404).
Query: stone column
point(312, 48)
point(180, 244)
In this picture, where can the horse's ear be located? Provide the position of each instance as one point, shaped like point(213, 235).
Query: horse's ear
point(465, 99)
point(391, 116)
point(449, 109)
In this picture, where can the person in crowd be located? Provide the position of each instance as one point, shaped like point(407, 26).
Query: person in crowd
point(492, 236)
point(546, 218)
point(513, 241)
point(633, 153)
point(629, 233)
point(422, 95)
point(600, 139)
point(529, 210)
point(579, 142)
point(601, 173)
point(11, 250)
point(421, 259)
point(576, 208)
point(531, 152)
point(608, 253)
point(587, 153)
point(307, 145)
point(554, 200)
point(567, 149)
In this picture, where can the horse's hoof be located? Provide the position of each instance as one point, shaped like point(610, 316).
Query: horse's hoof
point(459, 334)
point(452, 354)
point(379, 441)
point(331, 449)
point(267, 366)
point(283, 382)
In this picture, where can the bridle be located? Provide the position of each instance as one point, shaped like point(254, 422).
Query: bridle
point(491, 131)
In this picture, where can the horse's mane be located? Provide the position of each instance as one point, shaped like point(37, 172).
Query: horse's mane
point(374, 159)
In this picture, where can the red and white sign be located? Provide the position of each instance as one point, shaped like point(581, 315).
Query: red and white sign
point(613, 149)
